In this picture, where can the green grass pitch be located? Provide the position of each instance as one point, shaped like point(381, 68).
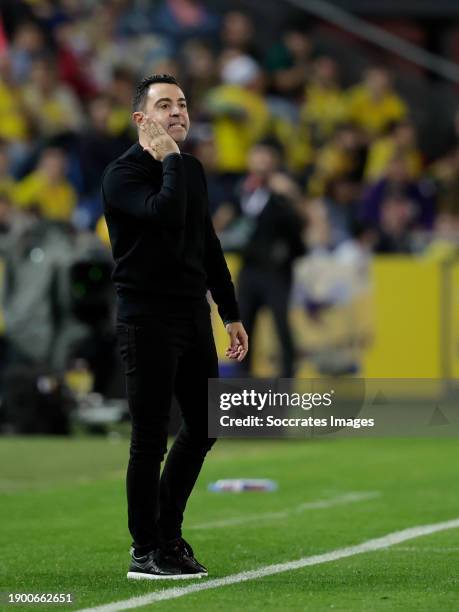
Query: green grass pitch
point(63, 519)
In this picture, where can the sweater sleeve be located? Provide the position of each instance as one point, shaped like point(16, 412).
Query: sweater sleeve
point(125, 188)
point(218, 276)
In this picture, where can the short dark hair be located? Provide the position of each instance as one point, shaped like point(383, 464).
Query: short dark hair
point(271, 142)
point(141, 91)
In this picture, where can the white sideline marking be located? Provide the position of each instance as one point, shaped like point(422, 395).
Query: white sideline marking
point(346, 498)
point(269, 570)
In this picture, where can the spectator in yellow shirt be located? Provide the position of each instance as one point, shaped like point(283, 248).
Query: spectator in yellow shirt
point(325, 106)
point(239, 112)
point(47, 188)
point(401, 141)
point(343, 156)
point(374, 104)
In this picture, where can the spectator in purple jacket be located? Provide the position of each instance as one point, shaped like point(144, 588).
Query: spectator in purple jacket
point(397, 183)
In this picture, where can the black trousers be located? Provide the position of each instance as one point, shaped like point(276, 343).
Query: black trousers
point(258, 288)
point(165, 353)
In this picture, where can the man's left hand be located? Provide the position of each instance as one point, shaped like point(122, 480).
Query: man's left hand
point(239, 341)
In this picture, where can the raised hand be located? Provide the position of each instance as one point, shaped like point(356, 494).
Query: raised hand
point(160, 143)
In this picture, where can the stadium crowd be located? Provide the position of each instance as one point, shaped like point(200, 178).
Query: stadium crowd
point(297, 164)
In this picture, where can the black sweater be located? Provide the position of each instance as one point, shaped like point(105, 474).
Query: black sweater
point(276, 240)
point(165, 248)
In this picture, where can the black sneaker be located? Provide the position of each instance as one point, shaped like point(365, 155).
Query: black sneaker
point(178, 553)
point(157, 566)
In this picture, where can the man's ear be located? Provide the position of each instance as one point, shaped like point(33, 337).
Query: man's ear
point(139, 119)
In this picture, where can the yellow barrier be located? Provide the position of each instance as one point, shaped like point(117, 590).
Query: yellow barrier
point(408, 327)
point(407, 319)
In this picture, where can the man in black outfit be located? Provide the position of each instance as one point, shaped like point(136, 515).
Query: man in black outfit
point(166, 258)
point(274, 243)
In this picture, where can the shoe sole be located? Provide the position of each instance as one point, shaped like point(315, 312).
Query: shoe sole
point(144, 576)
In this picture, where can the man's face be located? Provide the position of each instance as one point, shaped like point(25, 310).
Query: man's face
point(263, 160)
point(378, 81)
point(166, 104)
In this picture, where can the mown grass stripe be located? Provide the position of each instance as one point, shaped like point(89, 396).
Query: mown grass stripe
point(345, 498)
